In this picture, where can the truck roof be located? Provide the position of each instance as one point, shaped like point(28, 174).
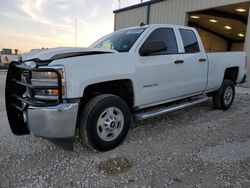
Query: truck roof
point(156, 25)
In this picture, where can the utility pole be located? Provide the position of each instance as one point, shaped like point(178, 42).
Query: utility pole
point(75, 32)
point(119, 2)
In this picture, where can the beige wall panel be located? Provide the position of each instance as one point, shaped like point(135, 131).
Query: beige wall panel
point(237, 47)
point(247, 49)
point(205, 4)
point(174, 11)
point(207, 38)
point(166, 12)
point(130, 18)
point(169, 11)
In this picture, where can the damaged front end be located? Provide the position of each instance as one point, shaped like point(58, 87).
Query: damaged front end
point(35, 103)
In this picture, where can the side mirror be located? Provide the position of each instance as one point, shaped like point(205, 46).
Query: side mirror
point(152, 47)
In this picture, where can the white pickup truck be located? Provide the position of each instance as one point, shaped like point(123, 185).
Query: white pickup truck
point(136, 73)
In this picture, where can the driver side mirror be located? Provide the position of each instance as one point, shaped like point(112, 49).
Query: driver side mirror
point(152, 47)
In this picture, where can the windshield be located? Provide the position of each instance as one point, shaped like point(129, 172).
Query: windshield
point(121, 41)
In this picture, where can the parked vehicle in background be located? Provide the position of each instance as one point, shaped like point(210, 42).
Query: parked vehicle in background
point(7, 56)
point(136, 73)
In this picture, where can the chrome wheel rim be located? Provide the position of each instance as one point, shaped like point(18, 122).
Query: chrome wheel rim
point(228, 95)
point(110, 124)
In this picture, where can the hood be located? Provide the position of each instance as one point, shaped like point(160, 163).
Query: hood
point(49, 55)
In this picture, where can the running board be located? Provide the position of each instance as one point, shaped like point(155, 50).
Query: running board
point(164, 110)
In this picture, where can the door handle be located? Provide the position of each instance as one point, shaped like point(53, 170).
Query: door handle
point(202, 60)
point(179, 62)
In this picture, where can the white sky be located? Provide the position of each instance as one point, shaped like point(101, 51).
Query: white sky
point(28, 24)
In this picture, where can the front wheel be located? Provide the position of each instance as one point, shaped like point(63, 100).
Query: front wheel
point(224, 97)
point(105, 122)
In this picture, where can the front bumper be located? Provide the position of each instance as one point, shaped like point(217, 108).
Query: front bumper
point(53, 121)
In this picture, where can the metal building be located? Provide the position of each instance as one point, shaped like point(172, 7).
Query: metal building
point(224, 25)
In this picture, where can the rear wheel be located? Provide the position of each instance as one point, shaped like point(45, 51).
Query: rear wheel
point(105, 122)
point(224, 97)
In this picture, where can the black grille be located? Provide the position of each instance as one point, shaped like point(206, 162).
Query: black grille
point(25, 73)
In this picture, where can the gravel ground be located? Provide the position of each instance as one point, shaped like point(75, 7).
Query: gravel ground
point(196, 147)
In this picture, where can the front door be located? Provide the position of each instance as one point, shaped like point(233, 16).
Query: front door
point(161, 73)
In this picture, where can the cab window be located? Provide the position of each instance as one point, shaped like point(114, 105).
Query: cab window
point(165, 35)
point(189, 40)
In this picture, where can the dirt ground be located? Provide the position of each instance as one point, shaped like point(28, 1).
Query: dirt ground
point(195, 147)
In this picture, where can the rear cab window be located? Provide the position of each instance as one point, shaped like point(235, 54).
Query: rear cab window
point(190, 41)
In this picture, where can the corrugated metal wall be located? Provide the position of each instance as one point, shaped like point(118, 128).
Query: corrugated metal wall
point(174, 11)
point(131, 18)
point(169, 11)
point(247, 49)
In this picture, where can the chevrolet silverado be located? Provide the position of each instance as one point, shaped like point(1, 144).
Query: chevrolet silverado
point(132, 74)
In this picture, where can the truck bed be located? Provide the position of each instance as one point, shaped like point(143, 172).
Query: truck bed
point(219, 62)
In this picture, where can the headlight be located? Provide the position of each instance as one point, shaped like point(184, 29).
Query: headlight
point(48, 79)
point(47, 75)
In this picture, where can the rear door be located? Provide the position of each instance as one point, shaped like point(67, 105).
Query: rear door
point(195, 62)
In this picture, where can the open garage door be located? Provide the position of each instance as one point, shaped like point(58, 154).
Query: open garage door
point(222, 28)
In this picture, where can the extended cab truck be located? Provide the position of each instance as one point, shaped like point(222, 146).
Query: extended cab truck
point(136, 73)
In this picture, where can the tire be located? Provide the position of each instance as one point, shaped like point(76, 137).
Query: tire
point(105, 122)
point(224, 97)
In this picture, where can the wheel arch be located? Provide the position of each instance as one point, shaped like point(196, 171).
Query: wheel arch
point(231, 73)
point(123, 88)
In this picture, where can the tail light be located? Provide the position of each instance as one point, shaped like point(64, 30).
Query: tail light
point(6, 59)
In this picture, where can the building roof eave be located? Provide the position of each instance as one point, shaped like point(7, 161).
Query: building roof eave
point(137, 6)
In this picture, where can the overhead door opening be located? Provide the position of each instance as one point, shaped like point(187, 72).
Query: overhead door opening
point(222, 28)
